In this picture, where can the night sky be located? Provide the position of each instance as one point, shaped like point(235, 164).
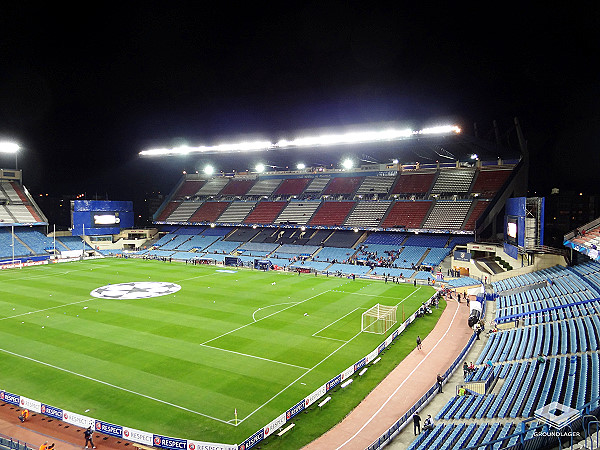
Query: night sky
point(84, 88)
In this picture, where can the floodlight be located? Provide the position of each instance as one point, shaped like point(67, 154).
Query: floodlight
point(347, 164)
point(474, 156)
point(9, 147)
point(209, 170)
point(301, 166)
point(395, 161)
point(260, 168)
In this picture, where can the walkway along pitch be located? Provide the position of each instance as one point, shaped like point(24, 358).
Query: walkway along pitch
point(404, 386)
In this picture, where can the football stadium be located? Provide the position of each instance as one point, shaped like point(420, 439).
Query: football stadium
point(280, 308)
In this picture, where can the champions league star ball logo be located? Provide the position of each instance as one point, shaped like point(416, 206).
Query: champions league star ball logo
point(135, 290)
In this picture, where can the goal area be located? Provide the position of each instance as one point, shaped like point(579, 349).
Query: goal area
point(378, 319)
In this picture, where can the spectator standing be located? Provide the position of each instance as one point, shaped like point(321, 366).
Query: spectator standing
point(88, 437)
point(416, 423)
point(440, 380)
point(418, 342)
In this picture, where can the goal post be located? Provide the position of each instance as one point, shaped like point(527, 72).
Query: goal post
point(378, 319)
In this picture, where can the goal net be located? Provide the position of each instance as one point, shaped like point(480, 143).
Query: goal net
point(378, 319)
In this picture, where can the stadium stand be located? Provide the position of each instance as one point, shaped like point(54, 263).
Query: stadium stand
point(342, 186)
point(413, 183)
point(237, 188)
point(317, 185)
point(209, 211)
point(298, 212)
point(557, 311)
point(375, 185)
point(332, 213)
point(406, 214)
point(236, 212)
point(265, 212)
point(489, 181)
point(367, 214)
point(188, 189)
point(453, 181)
point(264, 186)
point(448, 215)
point(212, 186)
point(292, 186)
point(184, 211)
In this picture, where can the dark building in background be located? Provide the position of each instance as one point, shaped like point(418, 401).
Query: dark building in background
point(567, 210)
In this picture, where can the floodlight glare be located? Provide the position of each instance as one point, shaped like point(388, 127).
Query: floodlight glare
point(301, 166)
point(260, 168)
point(395, 161)
point(209, 170)
point(474, 156)
point(9, 147)
point(347, 164)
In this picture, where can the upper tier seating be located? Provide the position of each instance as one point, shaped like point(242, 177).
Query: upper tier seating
point(406, 214)
point(167, 211)
point(264, 186)
point(241, 234)
point(317, 185)
point(292, 186)
point(237, 187)
point(367, 214)
point(332, 213)
point(183, 212)
point(413, 183)
point(298, 212)
point(209, 211)
point(318, 237)
point(188, 188)
point(488, 182)
point(476, 213)
point(212, 186)
point(343, 185)
point(236, 212)
point(448, 214)
point(376, 185)
point(17, 207)
point(453, 181)
point(265, 212)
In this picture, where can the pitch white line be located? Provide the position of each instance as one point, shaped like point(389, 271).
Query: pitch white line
point(263, 318)
point(113, 386)
point(255, 357)
point(409, 295)
point(265, 307)
point(308, 371)
point(47, 309)
point(401, 384)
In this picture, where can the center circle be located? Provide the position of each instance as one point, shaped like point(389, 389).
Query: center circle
point(135, 290)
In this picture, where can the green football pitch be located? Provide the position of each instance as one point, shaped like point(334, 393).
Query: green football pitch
point(180, 364)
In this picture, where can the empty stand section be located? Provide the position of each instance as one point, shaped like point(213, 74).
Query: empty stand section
point(367, 214)
point(183, 212)
point(237, 187)
point(343, 186)
point(407, 214)
point(264, 186)
point(376, 185)
point(449, 215)
point(168, 209)
point(488, 182)
point(476, 213)
point(413, 183)
point(332, 213)
point(212, 186)
point(209, 212)
point(188, 188)
point(236, 212)
point(292, 186)
point(317, 185)
point(298, 212)
point(453, 181)
point(265, 212)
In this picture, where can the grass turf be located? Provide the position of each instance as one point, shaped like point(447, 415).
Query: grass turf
point(180, 364)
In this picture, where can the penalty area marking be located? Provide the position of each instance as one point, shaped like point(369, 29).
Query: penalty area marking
point(327, 326)
point(164, 402)
point(270, 306)
point(47, 309)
